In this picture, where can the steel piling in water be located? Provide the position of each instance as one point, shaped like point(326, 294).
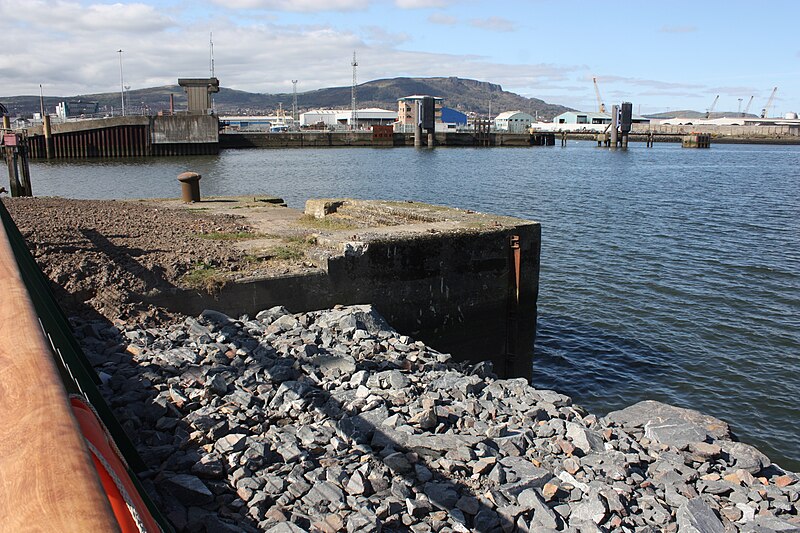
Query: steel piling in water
point(15, 152)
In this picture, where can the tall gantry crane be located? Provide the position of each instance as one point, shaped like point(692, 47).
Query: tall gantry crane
point(769, 103)
point(747, 107)
point(711, 109)
point(601, 107)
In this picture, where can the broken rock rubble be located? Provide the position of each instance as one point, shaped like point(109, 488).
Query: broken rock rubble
point(332, 421)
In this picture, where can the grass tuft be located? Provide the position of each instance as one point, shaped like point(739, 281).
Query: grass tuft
point(229, 236)
point(286, 253)
point(204, 277)
point(328, 223)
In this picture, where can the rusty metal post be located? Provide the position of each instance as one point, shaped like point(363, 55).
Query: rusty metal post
point(13, 181)
point(16, 155)
point(27, 189)
point(48, 137)
point(190, 186)
point(512, 311)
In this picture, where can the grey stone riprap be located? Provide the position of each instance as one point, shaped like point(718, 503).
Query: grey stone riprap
point(332, 421)
point(670, 425)
point(695, 516)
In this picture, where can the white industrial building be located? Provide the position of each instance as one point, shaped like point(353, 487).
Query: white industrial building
point(583, 118)
point(513, 121)
point(339, 118)
point(324, 117)
point(256, 123)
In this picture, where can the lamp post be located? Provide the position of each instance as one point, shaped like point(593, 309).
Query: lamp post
point(121, 83)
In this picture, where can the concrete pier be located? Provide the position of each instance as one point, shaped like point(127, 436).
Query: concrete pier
point(614, 126)
point(696, 140)
point(442, 275)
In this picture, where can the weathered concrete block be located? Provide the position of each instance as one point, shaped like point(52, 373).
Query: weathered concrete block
point(321, 207)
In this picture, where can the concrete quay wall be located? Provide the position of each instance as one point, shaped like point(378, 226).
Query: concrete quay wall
point(449, 289)
point(720, 130)
point(715, 139)
point(131, 136)
point(92, 124)
point(310, 139)
point(319, 139)
point(184, 129)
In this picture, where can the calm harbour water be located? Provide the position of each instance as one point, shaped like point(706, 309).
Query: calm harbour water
point(667, 273)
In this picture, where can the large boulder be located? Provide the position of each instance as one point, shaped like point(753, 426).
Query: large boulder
point(673, 426)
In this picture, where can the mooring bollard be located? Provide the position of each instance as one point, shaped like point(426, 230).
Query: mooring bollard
point(190, 186)
point(49, 143)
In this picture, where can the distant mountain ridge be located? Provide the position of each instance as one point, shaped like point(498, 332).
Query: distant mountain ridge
point(466, 95)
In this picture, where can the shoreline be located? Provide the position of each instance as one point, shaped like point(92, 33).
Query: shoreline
point(198, 393)
point(332, 421)
point(725, 139)
point(263, 140)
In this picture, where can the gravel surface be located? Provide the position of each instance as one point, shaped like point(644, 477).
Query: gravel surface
point(100, 254)
point(331, 421)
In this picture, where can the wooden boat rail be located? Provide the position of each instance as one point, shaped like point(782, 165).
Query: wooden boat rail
point(47, 480)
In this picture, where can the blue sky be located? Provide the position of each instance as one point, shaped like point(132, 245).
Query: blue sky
point(659, 55)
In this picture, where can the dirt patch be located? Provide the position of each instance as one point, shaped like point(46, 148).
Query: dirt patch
point(101, 254)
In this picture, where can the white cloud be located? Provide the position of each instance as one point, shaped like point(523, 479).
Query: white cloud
point(296, 5)
point(73, 17)
point(421, 4)
point(734, 90)
point(257, 56)
point(377, 34)
point(498, 24)
point(654, 84)
point(441, 18)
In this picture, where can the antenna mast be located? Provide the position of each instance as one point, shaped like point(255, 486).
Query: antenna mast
point(294, 103)
point(211, 63)
point(354, 113)
point(211, 53)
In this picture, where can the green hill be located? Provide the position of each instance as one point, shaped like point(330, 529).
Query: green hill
point(463, 94)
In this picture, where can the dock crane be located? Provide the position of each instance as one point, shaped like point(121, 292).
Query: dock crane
point(747, 107)
point(769, 103)
point(711, 109)
point(601, 107)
